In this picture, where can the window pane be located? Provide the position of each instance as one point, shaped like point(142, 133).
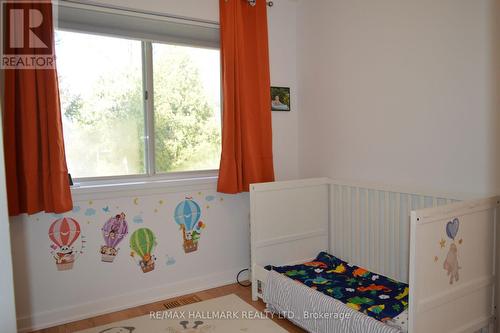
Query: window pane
point(187, 108)
point(100, 81)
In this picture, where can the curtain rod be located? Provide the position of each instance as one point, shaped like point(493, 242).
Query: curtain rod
point(253, 2)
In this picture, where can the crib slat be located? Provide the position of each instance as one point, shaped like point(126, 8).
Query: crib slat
point(405, 237)
point(378, 240)
point(357, 235)
point(342, 221)
point(367, 219)
point(333, 220)
point(333, 214)
point(387, 227)
point(397, 220)
point(348, 205)
point(339, 222)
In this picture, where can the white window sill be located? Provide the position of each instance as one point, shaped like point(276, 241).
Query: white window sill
point(142, 186)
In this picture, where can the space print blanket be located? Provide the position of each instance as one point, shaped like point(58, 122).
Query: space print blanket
point(375, 295)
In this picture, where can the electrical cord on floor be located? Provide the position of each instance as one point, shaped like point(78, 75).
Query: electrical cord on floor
point(238, 278)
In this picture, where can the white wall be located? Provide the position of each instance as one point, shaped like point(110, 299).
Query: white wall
point(400, 92)
point(7, 306)
point(282, 24)
point(46, 297)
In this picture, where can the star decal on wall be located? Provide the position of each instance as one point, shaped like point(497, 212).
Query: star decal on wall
point(442, 243)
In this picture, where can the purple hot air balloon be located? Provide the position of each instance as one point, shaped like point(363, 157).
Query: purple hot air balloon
point(113, 232)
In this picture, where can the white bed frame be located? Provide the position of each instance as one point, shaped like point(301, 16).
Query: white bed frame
point(390, 231)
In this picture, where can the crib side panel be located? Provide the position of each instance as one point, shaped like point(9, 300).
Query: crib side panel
point(452, 267)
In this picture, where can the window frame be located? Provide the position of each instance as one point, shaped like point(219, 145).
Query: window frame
point(151, 174)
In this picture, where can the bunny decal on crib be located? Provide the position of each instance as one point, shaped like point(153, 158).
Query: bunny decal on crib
point(451, 264)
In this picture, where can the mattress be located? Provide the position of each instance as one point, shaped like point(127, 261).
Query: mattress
point(373, 302)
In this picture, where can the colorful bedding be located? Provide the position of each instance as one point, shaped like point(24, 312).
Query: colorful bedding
point(373, 294)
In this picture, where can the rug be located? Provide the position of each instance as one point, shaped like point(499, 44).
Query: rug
point(227, 314)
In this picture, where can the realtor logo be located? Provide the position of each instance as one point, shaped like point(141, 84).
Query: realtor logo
point(27, 35)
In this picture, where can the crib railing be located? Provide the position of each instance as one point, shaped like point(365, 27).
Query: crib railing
point(370, 226)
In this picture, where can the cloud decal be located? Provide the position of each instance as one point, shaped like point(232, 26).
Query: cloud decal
point(90, 212)
point(138, 219)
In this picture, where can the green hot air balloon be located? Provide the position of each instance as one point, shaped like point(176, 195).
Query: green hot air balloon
point(142, 243)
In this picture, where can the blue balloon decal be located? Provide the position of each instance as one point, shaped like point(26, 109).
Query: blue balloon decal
point(452, 228)
point(187, 213)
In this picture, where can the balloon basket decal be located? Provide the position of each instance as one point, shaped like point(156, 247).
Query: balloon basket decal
point(66, 264)
point(113, 232)
point(187, 215)
point(190, 246)
point(147, 266)
point(142, 243)
point(107, 258)
point(65, 234)
point(65, 267)
point(108, 254)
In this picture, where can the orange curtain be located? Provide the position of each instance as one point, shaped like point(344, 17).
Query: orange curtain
point(35, 162)
point(247, 155)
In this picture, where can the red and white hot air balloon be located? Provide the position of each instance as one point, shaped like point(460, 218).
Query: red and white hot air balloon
point(64, 233)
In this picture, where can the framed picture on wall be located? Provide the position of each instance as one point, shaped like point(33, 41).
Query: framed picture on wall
point(280, 99)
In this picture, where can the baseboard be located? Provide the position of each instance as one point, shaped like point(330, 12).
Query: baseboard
point(52, 318)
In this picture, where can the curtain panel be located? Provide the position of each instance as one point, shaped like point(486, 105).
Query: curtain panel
point(247, 155)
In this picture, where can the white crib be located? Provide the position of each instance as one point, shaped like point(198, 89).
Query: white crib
point(400, 234)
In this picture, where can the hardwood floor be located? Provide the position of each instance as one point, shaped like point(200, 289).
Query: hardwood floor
point(242, 292)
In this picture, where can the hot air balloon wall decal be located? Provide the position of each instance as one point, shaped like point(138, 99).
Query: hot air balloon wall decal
point(142, 243)
point(113, 232)
point(66, 242)
point(187, 215)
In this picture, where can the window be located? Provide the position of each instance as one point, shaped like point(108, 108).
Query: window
point(100, 84)
point(132, 107)
point(186, 108)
